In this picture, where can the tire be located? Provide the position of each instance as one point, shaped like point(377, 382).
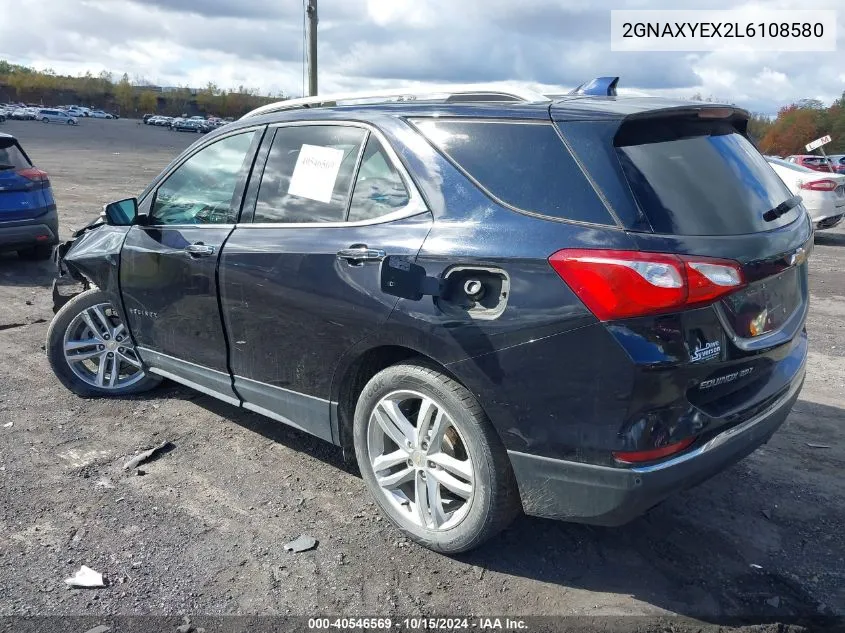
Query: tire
point(40, 252)
point(488, 500)
point(70, 122)
point(65, 326)
point(45, 120)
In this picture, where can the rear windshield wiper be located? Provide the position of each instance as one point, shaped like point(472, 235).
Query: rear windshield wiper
point(4, 166)
point(783, 207)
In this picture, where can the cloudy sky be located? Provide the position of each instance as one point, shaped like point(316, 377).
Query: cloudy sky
point(382, 43)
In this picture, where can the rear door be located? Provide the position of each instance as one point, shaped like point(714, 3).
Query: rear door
point(300, 283)
point(168, 271)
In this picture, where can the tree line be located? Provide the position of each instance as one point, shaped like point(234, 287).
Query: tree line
point(799, 123)
point(46, 87)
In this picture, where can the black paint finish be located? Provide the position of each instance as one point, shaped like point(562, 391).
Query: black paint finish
point(292, 307)
point(170, 296)
point(562, 389)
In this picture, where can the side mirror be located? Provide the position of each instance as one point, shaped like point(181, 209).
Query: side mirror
point(122, 212)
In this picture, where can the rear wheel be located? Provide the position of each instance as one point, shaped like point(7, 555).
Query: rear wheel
point(431, 459)
point(38, 253)
point(91, 352)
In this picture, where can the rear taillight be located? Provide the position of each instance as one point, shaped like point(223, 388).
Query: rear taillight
point(38, 178)
point(637, 457)
point(621, 284)
point(819, 185)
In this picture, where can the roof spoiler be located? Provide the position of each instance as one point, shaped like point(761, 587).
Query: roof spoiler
point(598, 87)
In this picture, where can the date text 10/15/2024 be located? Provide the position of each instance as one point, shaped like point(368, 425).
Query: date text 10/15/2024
point(418, 624)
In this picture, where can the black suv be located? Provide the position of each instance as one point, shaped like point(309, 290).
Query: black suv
point(571, 305)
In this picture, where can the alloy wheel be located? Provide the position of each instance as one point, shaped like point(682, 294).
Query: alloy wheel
point(99, 351)
point(420, 460)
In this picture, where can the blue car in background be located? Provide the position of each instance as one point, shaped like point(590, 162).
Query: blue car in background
point(29, 223)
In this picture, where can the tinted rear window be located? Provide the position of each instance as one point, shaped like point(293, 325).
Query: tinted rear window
point(11, 157)
point(525, 165)
point(694, 177)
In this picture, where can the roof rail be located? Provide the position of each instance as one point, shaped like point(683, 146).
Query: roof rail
point(600, 87)
point(449, 94)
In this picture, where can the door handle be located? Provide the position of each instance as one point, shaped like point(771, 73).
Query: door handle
point(199, 250)
point(357, 254)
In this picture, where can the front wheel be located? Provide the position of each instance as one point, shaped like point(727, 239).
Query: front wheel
point(70, 122)
point(91, 352)
point(45, 120)
point(432, 460)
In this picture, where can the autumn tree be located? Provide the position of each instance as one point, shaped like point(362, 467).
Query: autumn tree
point(208, 99)
point(124, 94)
point(792, 130)
point(758, 126)
point(148, 101)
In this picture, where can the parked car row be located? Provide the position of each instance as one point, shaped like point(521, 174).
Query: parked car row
point(835, 163)
point(61, 114)
point(197, 124)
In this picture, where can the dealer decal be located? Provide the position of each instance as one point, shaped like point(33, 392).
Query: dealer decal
point(706, 351)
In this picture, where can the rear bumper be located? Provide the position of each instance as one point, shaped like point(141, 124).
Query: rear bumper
point(829, 223)
point(824, 209)
point(43, 229)
point(602, 495)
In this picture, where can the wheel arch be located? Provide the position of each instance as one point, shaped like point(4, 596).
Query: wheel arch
point(351, 378)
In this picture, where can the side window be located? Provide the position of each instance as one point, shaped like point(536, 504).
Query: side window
point(525, 165)
point(201, 189)
point(308, 174)
point(379, 188)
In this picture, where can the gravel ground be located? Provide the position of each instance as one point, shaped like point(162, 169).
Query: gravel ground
point(202, 532)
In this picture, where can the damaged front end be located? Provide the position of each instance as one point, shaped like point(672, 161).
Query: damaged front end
point(91, 258)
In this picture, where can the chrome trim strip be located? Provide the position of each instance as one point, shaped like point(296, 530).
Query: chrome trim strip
point(416, 204)
point(160, 227)
point(400, 214)
point(729, 433)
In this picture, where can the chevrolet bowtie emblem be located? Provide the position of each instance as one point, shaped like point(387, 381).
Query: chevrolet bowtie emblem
point(798, 257)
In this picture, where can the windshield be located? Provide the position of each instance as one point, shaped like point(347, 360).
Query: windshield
point(693, 177)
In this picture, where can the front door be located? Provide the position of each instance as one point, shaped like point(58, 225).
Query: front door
point(168, 272)
point(300, 285)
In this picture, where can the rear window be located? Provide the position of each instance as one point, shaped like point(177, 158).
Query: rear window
point(523, 164)
point(693, 177)
point(11, 157)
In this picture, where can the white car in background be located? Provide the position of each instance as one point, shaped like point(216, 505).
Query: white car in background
point(99, 114)
point(823, 194)
point(54, 115)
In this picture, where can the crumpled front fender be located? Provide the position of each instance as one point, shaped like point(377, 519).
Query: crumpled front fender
point(92, 258)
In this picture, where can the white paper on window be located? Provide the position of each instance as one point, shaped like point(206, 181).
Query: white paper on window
point(315, 173)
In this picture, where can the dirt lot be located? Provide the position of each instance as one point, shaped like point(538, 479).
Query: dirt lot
point(202, 532)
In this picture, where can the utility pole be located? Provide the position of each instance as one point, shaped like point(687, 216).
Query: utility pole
point(312, 47)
